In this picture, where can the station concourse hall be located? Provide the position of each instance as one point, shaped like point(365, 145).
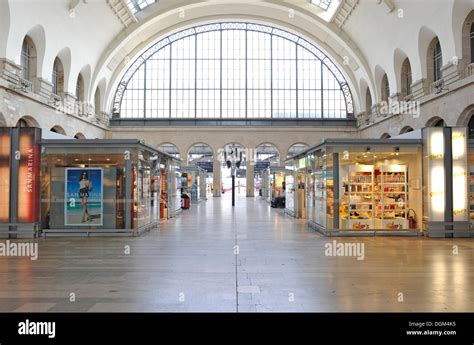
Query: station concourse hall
point(236, 156)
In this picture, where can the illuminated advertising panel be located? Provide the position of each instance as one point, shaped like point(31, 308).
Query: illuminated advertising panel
point(5, 149)
point(84, 197)
point(29, 177)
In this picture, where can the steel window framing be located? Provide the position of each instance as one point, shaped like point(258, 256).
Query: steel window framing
point(247, 27)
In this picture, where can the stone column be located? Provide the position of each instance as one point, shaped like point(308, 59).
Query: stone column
point(216, 175)
point(250, 179)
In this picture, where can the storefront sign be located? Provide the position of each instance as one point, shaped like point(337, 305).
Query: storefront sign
point(84, 197)
point(5, 148)
point(28, 177)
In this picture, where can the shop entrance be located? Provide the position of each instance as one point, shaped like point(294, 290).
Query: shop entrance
point(201, 156)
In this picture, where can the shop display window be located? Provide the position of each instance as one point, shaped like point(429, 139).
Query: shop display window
point(290, 192)
point(87, 187)
point(379, 188)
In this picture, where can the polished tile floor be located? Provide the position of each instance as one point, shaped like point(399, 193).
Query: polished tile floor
point(248, 259)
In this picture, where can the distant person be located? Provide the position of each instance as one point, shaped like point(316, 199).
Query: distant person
point(85, 186)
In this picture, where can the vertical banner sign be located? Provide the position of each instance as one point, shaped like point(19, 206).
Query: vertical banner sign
point(83, 204)
point(5, 148)
point(28, 177)
point(460, 200)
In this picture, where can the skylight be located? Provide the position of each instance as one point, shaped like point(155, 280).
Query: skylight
point(138, 5)
point(324, 4)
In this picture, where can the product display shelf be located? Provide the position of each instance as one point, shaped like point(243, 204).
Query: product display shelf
point(392, 190)
point(359, 198)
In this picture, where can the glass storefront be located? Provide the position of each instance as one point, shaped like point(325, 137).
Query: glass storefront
point(374, 186)
point(193, 183)
point(102, 186)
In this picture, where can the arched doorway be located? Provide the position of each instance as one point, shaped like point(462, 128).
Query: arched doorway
point(295, 149)
point(170, 149)
point(202, 156)
point(234, 157)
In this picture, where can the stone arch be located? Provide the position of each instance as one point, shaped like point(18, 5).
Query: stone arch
point(79, 135)
point(265, 149)
point(465, 116)
point(312, 27)
point(385, 136)
point(204, 150)
point(406, 129)
point(58, 129)
point(425, 40)
point(402, 65)
point(98, 98)
point(30, 121)
point(296, 148)
point(64, 56)
point(86, 73)
point(170, 149)
point(38, 37)
point(460, 29)
point(366, 95)
point(467, 42)
point(435, 121)
point(380, 75)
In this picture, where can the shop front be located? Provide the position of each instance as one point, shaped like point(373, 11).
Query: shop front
point(387, 187)
point(370, 187)
point(193, 183)
point(103, 186)
point(296, 182)
point(273, 183)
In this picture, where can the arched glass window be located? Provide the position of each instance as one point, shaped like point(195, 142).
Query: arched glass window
point(437, 61)
point(406, 78)
point(385, 88)
point(97, 101)
point(80, 88)
point(28, 59)
point(58, 77)
point(233, 70)
point(471, 36)
point(138, 5)
point(368, 101)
